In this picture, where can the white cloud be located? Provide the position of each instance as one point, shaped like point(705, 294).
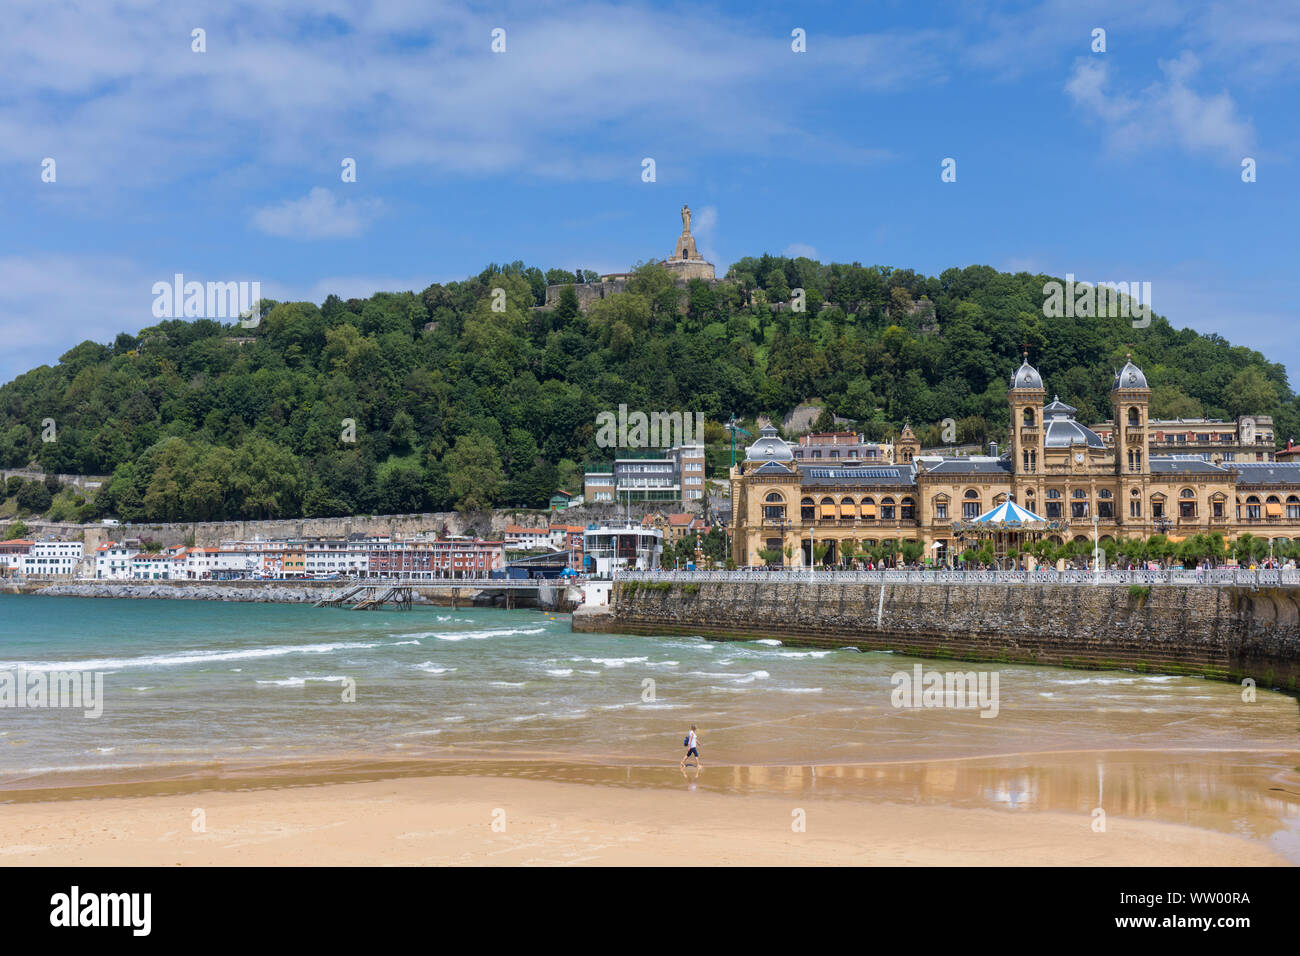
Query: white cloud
point(797, 249)
point(415, 86)
point(1167, 111)
point(318, 215)
point(704, 227)
point(1256, 39)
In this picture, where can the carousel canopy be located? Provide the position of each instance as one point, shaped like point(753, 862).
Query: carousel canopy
point(1009, 515)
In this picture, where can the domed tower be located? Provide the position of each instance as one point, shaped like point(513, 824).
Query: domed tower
point(1026, 398)
point(908, 447)
point(1129, 401)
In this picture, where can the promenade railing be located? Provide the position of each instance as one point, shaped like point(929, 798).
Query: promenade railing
point(1146, 577)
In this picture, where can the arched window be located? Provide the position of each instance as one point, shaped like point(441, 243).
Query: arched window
point(1132, 417)
point(1273, 507)
point(868, 508)
point(886, 509)
point(847, 508)
point(907, 512)
point(774, 507)
point(1252, 508)
point(1079, 506)
point(972, 493)
point(1105, 504)
point(1187, 493)
point(1054, 504)
point(807, 511)
point(970, 507)
point(1292, 507)
point(1029, 418)
point(827, 508)
point(1187, 504)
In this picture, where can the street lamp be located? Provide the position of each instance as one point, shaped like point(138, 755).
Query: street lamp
point(1096, 550)
point(812, 549)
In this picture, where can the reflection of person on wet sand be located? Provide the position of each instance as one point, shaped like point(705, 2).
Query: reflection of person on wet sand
point(692, 749)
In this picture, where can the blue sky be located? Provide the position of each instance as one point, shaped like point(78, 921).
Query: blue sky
point(225, 165)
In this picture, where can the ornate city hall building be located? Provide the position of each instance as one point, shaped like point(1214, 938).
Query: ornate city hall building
point(1055, 466)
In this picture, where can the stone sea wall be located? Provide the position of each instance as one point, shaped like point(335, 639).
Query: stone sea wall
point(260, 593)
point(1214, 631)
point(265, 592)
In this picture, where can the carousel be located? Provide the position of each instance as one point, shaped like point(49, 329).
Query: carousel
point(1006, 526)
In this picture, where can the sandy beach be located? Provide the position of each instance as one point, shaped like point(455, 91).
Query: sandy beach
point(246, 713)
point(449, 820)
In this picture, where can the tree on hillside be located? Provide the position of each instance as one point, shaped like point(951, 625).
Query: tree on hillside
point(1249, 392)
point(34, 498)
point(474, 472)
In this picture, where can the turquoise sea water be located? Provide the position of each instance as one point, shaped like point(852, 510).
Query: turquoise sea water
point(193, 682)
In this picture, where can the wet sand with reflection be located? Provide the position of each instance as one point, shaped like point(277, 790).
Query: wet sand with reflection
point(1252, 798)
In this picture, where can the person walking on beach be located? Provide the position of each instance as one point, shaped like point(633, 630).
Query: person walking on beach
point(692, 748)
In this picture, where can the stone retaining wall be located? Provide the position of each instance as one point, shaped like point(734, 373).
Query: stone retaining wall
point(209, 534)
point(1221, 632)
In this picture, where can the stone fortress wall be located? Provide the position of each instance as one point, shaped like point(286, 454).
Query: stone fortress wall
point(211, 533)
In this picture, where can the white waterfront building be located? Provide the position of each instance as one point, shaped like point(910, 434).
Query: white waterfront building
point(53, 559)
point(616, 548)
point(323, 557)
point(221, 563)
point(159, 567)
point(113, 561)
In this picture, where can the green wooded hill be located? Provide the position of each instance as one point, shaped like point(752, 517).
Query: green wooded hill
point(456, 404)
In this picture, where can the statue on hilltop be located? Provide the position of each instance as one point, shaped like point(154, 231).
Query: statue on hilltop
point(686, 220)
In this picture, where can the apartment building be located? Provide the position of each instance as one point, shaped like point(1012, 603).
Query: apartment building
point(159, 566)
point(1246, 439)
point(519, 538)
point(113, 561)
point(12, 553)
point(52, 559)
point(598, 486)
point(323, 557)
point(437, 558)
point(679, 475)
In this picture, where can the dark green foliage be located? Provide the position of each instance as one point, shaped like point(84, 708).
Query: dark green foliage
point(34, 498)
point(455, 404)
